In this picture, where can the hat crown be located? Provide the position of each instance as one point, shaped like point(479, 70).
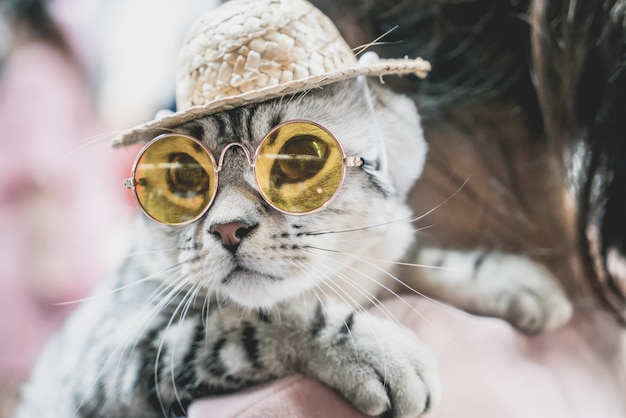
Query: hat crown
point(247, 45)
point(251, 51)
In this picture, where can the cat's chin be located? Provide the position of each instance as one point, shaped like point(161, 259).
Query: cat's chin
point(256, 290)
point(252, 299)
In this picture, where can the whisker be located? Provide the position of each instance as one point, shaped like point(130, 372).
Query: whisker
point(376, 239)
point(357, 306)
point(374, 301)
point(337, 292)
point(92, 140)
point(329, 281)
point(396, 263)
point(408, 219)
point(395, 294)
point(396, 279)
point(154, 251)
point(371, 298)
point(344, 296)
point(347, 298)
point(205, 311)
point(161, 297)
point(339, 295)
point(190, 297)
point(179, 289)
point(123, 347)
point(121, 288)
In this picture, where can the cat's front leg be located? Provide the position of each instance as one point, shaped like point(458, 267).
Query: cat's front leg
point(507, 286)
point(376, 364)
point(379, 366)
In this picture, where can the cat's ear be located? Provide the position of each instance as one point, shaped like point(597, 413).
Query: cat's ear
point(400, 152)
point(376, 159)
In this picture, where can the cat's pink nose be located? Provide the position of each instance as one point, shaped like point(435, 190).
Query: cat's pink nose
point(231, 233)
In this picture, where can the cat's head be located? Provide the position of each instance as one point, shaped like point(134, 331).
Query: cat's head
point(244, 250)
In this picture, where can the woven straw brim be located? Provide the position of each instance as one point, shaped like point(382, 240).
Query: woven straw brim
point(382, 67)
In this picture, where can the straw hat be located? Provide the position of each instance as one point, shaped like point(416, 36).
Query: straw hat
point(249, 51)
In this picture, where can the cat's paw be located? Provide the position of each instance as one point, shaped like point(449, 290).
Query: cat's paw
point(381, 368)
point(512, 287)
point(528, 295)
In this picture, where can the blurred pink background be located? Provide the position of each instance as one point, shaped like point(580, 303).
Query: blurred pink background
point(64, 216)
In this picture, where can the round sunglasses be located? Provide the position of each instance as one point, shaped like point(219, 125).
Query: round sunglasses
point(299, 167)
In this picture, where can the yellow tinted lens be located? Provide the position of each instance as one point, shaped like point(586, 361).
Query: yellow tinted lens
point(174, 179)
point(299, 167)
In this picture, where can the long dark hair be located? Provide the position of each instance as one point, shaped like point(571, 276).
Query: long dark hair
point(532, 93)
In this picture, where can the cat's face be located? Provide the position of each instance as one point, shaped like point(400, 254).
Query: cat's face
point(339, 250)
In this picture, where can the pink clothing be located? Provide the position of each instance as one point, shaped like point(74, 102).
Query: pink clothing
point(57, 197)
point(487, 368)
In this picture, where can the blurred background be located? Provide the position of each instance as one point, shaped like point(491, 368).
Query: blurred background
point(73, 74)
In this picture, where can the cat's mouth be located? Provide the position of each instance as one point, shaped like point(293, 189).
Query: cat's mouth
point(252, 288)
point(243, 273)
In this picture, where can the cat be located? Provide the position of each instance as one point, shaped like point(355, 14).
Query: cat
point(171, 328)
point(172, 315)
point(247, 294)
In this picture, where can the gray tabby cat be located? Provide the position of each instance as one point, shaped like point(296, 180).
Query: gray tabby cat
point(247, 294)
point(190, 316)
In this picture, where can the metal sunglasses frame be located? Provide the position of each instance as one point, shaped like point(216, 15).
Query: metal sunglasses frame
point(347, 161)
